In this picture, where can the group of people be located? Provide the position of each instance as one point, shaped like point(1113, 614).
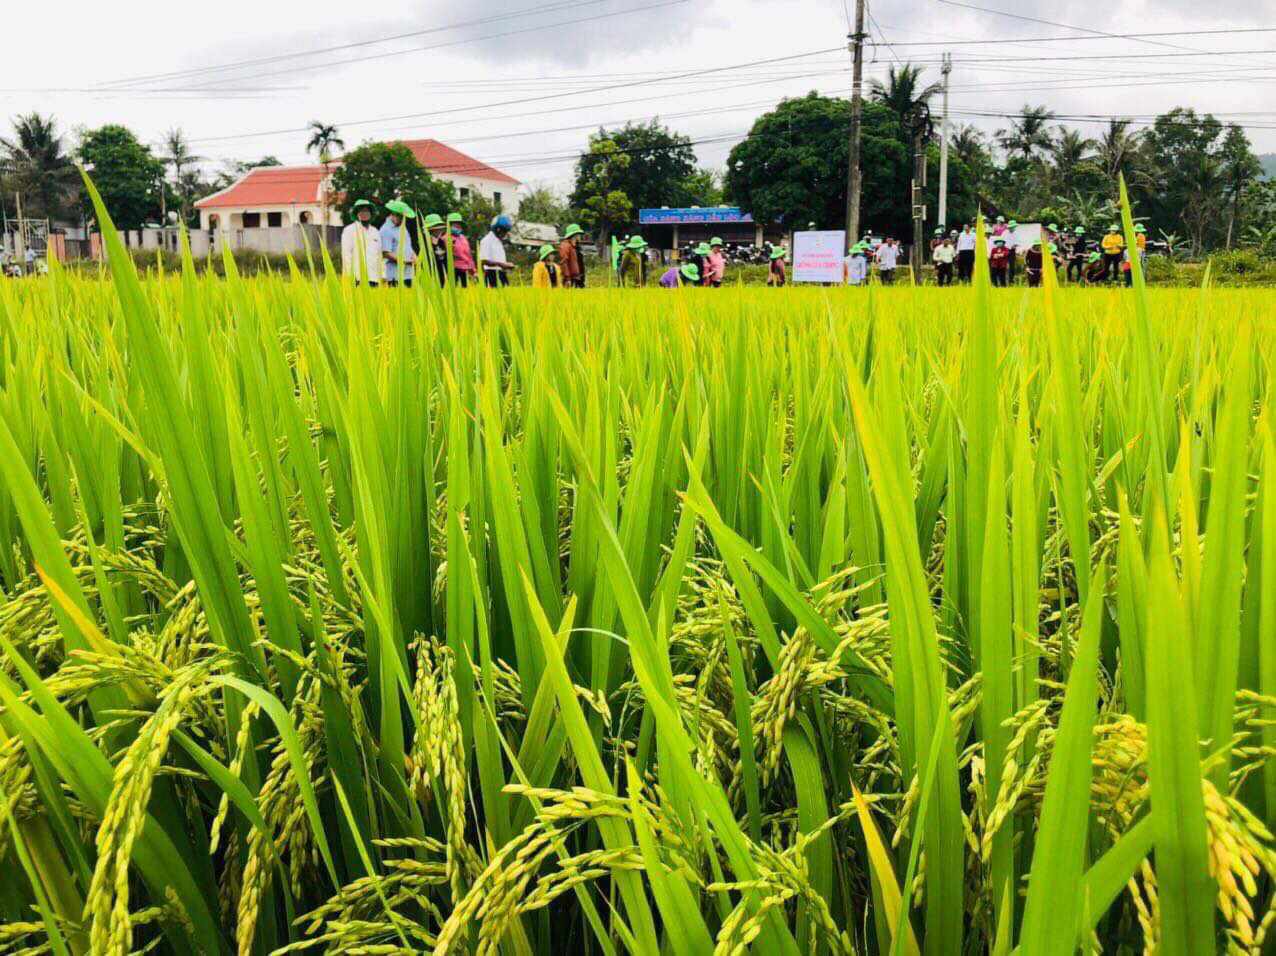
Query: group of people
point(388, 256)
point(1088, 263)
point(12, 265)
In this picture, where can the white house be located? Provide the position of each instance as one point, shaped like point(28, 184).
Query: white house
point(280, 196)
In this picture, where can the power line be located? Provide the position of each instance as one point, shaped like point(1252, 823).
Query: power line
point(283, 57)
point(521, 101)
point(451, 43)
point(1113, 36)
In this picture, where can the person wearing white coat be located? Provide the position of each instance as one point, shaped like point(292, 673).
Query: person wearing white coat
point(361, 247)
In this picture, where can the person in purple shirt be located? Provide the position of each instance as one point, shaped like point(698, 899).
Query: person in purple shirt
point(688, 274)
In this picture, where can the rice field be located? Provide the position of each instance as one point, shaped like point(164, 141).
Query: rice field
point(774, 621)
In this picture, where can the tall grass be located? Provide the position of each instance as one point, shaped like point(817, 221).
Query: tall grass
point(914, 621)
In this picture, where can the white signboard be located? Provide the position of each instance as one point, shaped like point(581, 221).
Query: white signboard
point(817, 256)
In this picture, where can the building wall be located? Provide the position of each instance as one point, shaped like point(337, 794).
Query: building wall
point(488, 188)
point(233, 217)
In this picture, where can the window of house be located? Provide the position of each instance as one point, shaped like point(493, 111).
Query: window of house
point(252, 220)
point(496, 198)
point(274, 219)
point(465, 192)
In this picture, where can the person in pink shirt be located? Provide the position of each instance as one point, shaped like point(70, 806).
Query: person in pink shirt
point(716, 264)
point(462, 255)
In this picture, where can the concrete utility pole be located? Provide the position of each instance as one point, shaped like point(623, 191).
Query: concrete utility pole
point(853, 172)
point(20, 247)
point(921, 122)
point(943, 147)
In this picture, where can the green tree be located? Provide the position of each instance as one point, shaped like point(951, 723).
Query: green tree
point(1185, 185)
point(324, 141)
point(792, 166)
point(1117, 152)
point(178, 156)
point(603, 205)
point(703, 188)
point(479, 211)
point(543, 204)
point(1240, 169)
point(379, 172)
point(1029, 134)
point(903, 90)
point(659, 172)
point(32, 163)
point(126, 173)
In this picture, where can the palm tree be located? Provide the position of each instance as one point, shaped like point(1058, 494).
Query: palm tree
point(1118, 149)
point(177, 153)
point(324, 138)
point(902, 90)
point(1029, 133)
point(33, 161)
point(969, 146)
point(1071, 155)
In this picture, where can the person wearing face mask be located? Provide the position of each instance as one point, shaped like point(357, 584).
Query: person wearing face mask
point(361, 247)
point(462, 255)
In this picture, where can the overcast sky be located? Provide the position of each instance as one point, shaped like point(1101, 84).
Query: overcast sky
point(521, 87)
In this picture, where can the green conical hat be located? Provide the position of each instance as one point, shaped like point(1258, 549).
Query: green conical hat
point(636, 242)
point(400, 207)
point(545, 251)
point(432, 221)
point(572, 230)
point(691, 271)
point(716, 241)
point(702, 249)
point(362, 202)
point(455, 217)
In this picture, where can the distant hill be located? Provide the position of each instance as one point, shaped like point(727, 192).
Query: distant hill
point(1269, 164)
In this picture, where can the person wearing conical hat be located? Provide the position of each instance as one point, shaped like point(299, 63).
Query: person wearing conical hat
point(633, 263)
point(361, 247)
point(396, 244)
point(779, 272)
point(546, 274)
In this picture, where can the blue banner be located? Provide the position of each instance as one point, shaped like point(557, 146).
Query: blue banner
point(658, 217)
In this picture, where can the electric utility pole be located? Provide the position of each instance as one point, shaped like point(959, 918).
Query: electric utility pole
point(921, 133)
point(853, 171)
point(943, 147)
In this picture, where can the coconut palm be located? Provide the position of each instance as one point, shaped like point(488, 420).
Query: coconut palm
point(324, 138)
point(176, 152)
point(903, 89)
point(35, 166)
point(1029, 134)
point(1117, 150)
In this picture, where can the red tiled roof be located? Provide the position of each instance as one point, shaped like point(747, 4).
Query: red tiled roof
point(282, 185)
point(440, 158)
point(269, 186)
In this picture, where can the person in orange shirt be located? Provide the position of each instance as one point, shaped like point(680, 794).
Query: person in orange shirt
point(572, 264)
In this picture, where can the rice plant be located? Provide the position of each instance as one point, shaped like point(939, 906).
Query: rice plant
point(784, 621)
